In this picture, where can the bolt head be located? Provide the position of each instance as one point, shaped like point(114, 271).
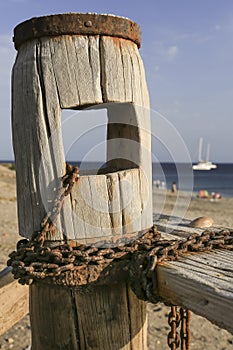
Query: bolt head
point(88, 23)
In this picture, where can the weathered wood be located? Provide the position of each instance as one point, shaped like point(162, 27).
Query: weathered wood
point(112, 70)
point(76, 71)
point(76, 64)
point(108, 205)
point(36, 174)
point(67, 72)
point(99, 318)
point(129, 145)
point(114, 311)
point(202, 282)
point(53, 318)
point(14, 301)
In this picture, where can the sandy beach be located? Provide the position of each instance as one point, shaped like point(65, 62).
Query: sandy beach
point(204, 334)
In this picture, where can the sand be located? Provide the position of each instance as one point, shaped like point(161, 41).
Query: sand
point(204, 334)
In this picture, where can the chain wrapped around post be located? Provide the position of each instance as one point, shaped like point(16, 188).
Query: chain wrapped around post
point(70, 264)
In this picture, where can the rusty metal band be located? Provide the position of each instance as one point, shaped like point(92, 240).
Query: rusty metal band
point(79, 24)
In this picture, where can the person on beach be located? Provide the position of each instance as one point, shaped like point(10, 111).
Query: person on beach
point(174, 187)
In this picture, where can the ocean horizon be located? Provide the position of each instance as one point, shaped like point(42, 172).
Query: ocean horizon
point(165, 173)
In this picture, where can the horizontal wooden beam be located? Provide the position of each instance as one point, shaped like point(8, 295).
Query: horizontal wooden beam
point(14, 300)
point(202, 282)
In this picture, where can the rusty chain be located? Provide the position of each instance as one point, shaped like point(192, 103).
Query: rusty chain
point(47, 224)
point(185, 316)
point(74, 265)
point(35, 261)
point(173, 338)
point(175, 319)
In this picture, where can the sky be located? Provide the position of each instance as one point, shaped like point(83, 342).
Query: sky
point(187, 50)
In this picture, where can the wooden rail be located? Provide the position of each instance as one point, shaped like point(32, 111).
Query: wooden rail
point(202, 282)
point(14, 301)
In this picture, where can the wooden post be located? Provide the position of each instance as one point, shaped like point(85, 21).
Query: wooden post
point(74, 61)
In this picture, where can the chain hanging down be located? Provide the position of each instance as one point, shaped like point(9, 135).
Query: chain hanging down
point(47, 224)
point(173, 338)
point(175, 319)
point(185, 333)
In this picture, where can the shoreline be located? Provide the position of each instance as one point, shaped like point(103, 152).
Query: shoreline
point(193, 194)
point(190, 206)
point(11, 165)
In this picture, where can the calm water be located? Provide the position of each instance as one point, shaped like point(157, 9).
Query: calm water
point(215, 180)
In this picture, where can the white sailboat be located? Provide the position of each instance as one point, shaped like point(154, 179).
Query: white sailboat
point(204, 164)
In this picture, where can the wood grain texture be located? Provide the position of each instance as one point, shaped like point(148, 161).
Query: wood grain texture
point(202, 282)
point(53, 147)
point(76, 63)
point(39, 154)
point(129, 145)
point(109, 205)
point(112, 70)
point(123, 75)
point(111, 318)
point(138, 320)
point(53, 318)
point(14, 301)
point(108, 318)
point(203, 287)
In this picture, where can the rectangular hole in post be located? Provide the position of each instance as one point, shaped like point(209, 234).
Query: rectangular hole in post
point(84, 138)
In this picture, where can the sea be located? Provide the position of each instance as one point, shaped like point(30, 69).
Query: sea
point(219, 180)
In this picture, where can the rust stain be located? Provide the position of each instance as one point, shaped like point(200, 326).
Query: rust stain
point(117, 41)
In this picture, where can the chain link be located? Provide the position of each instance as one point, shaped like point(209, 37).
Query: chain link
point(173, 338)
point(185, 335)
point(175, 319)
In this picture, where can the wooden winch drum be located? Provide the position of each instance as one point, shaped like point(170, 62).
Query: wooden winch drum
point(78, 61)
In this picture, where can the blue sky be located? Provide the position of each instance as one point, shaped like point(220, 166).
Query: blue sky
point(187, 49)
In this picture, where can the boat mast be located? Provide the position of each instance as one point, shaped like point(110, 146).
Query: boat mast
point(208, 153)
point(200, 149)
